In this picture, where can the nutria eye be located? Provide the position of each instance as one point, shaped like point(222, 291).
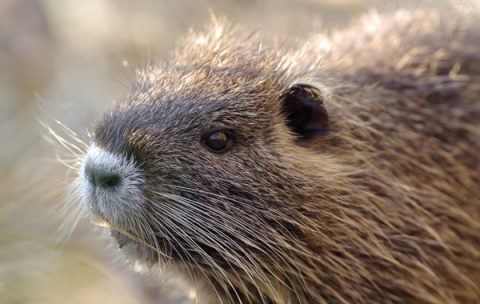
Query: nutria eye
point(219, 141)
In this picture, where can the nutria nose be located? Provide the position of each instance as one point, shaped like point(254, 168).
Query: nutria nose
point(100, 178)
point(110, 185)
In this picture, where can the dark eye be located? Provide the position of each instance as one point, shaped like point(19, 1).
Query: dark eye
point(219, 141)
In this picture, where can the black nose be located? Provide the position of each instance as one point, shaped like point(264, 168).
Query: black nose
point(102, 179)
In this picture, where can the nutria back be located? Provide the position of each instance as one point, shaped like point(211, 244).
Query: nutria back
point(343, 169)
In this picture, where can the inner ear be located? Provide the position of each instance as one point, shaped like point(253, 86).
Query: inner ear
point(303, 105)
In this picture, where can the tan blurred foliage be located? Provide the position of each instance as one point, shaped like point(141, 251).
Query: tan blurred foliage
point(65, 60)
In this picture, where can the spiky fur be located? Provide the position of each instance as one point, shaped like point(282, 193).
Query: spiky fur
point(383, 208)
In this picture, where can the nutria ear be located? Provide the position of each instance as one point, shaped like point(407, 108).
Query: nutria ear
point(303, 105)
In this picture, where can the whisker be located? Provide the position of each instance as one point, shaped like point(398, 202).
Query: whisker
point(191, 242)
point(240, 261)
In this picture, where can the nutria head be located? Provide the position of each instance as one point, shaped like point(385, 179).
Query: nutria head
point(278, 176)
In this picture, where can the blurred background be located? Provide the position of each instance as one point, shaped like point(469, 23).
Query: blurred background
point(61, 63)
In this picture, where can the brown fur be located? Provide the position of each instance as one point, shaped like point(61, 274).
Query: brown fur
point(383, 207)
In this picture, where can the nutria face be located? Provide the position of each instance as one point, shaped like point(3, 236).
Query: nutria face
point(198, 176)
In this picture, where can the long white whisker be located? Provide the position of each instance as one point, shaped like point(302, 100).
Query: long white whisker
point(279, 252)
point(188, 267)
point(231, 253)
point(199, 250)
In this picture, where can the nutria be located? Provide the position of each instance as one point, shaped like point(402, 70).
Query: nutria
point(340, 170)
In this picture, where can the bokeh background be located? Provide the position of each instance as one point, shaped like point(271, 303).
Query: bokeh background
point(61, 63)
